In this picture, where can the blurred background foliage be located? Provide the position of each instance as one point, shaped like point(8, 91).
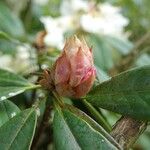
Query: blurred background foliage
point(32, 33)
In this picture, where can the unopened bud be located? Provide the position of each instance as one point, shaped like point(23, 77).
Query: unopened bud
point(73, 73)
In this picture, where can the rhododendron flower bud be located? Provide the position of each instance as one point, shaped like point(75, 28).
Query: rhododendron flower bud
point(74, 71)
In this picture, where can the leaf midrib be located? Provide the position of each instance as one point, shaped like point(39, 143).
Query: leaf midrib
point(70, 130)
point(19, 129)
point(89, 127)
point(21, 83)
point(6, 110)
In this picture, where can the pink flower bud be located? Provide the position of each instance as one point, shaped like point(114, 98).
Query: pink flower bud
point(74, 71)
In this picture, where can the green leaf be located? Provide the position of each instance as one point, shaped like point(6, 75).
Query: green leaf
point(12, 84)
point(7, 47)
point(101, 74)
point(122, 45)
point(8, 44)
point(127, 93)
point(144, 59)
point(4, 36)
point(17, 133)
point(101, 51)
point(9, 22)
point(74, 130)
point(7, 111)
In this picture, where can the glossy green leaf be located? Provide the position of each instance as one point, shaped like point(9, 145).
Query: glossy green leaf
point(9, 22)
point(74, 130)
point(17, 133)
point(12, 84)
point(7, 111)
point(127, 93)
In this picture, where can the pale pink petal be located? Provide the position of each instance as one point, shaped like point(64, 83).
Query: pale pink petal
point(79, 64)
point(62, 69)
point(84, 88)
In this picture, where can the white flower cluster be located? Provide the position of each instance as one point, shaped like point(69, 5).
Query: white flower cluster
point(102, 18)
point(40, 2)
point(21, 61)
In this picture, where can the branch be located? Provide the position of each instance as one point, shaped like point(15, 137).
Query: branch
point(127, 130)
